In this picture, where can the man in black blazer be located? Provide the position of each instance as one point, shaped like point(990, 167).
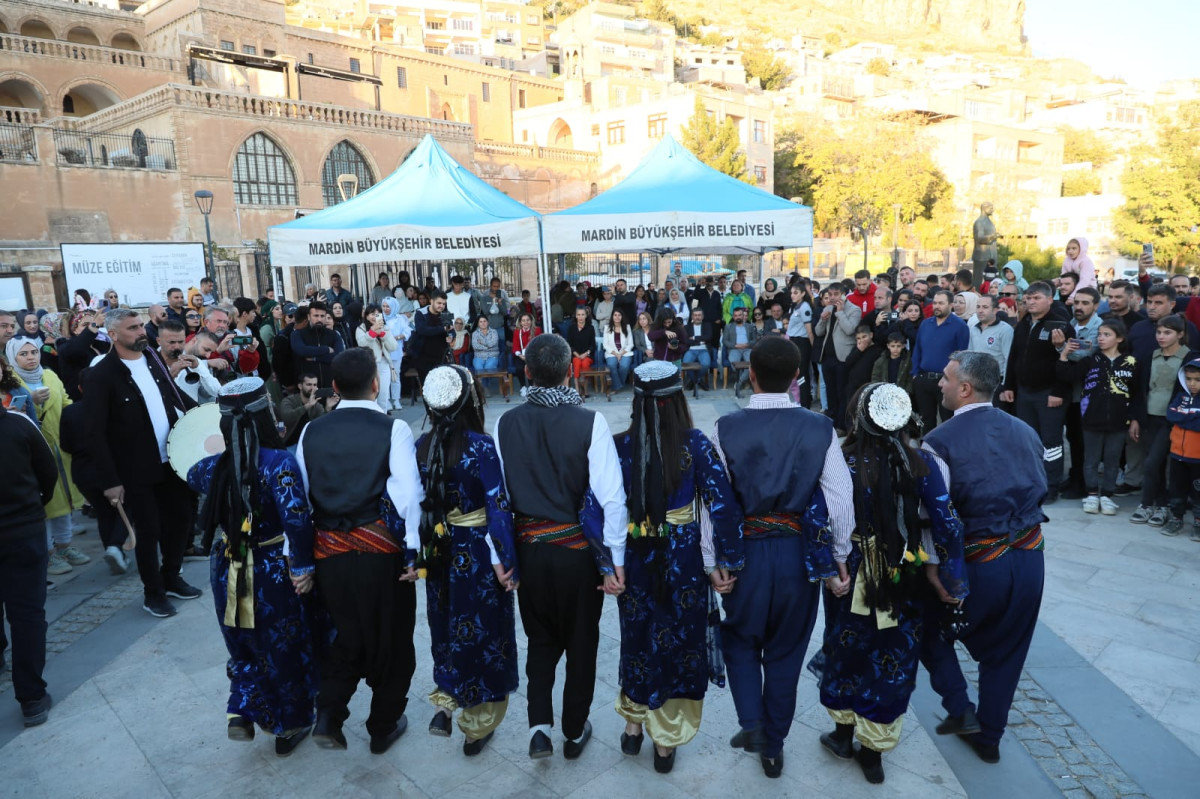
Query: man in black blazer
point(132, 403)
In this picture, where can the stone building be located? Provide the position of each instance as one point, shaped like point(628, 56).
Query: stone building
point(111, 120)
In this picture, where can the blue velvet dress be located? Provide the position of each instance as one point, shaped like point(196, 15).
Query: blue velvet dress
point(471, 620)
point(664, 628)
point(873, 671)
point(273, 665)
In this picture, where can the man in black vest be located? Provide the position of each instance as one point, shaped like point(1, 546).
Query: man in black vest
point(781, 458)
point(132, 403)
point(553, 452)
point(366, 508)
point(997, 485)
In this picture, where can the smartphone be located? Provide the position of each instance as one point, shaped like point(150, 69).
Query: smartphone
point(18, 403)
point(242, 341)
point(324, 393)
point(1148, 249)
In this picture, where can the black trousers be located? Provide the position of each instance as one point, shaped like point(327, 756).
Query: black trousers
point(560, 611)
point(157, 514)
point(1075, 444)
point(374, 615)
point(834, 372)
point(1184, 480)
point(927, 398)
point(23, 557)
point(805, 346)
point(110, 526)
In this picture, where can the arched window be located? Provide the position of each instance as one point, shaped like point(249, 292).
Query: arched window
point(262, 174)
point(344, 159)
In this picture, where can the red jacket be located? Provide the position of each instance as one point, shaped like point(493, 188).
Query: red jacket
point(864, 302)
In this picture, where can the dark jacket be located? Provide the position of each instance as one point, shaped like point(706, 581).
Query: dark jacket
point(860, 365)
point(122, 443)
point(662, 346)
point(1183, 414)
point(881, 372)
point(315, 348)
point(282, 359)
point(627, 304)
point(705, 339)
point(74, 355)
point(73, 438)
point(30, 475)
point(582, 340)
point(429, 338)
point(1033, 360)
point(1109, 386)
point(711, 303)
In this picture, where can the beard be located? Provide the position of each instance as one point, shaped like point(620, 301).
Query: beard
point(140, 345)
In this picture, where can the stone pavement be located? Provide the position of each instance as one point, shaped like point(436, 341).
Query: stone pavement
point(1109, 704)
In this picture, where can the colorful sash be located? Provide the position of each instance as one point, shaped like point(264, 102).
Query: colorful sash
point(773, 524)
point(984, 550)
point(541, 531)
point(818, 539)
point(372, 538)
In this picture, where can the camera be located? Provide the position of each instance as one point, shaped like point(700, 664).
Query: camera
point(324, 393)
point(243, 341)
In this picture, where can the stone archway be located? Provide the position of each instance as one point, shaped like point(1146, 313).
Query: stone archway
point(560, 135)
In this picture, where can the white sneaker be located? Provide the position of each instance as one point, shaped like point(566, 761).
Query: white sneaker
point(115, 559)
point(74, 556)
point(57, 563)
point(1091, 504)
point(1107, 506)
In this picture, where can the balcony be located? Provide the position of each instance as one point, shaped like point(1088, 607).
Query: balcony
point(17, 144)
point(16, 115)
point(93, 54)
point(113, 150)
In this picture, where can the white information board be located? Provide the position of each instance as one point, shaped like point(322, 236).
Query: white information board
point(140, 272)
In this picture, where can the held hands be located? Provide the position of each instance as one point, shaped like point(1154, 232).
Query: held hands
point(410, 575)
point(839, 586)
point(1054, 402)
point(722, 581)
point(931, 574)
point(505, 577)
point(302, 583)
point(614, 584)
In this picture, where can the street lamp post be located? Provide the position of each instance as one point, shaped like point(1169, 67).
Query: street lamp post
point(896, 236)
point(204, 201)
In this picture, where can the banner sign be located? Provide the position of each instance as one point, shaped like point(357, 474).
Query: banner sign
point(140, 272)
point(315, 247)
point(676, 231)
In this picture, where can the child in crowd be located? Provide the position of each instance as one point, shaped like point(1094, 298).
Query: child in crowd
point(1157, 383)
point(1183, 414)
point(897, 366)
point(1108, 383)
point(1012, 275)
point(860, 363)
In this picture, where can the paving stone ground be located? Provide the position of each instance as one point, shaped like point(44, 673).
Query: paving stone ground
point(1120, 596)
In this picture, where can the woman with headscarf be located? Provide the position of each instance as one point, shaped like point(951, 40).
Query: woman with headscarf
point(400, 330)
point(341, 324)
point(374, 336)
point(873, 633)
point(51, 328)
point(262, 590)
point(468, 552)
point(964, 304)
point(677, 303)
point(685, 523)
point(272, 316)
point(771, 295)
point(48, 396)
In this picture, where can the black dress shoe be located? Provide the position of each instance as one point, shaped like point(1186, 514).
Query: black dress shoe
point(37, 711)
point(840, 747)
point(988, 753)
point(772, 766)
point(382, 743)
point(327, 733)
point(440, 725)
point(573, 749)
point(663, 765)
point(540, 746)
point(966, 724)
point(632, 744)
point(472, 748)
point(240, 729)
point(871, 763)
point(286, 744)
point(748, 740)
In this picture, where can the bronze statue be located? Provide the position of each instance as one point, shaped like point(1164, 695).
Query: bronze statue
point(985, 241)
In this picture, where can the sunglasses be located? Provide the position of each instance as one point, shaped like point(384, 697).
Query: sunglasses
point(192, 316)
point(1008, 294)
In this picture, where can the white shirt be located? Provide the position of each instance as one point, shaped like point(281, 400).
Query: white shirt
point(208, 387)
point(404, 487)
point(835, 482)
point(153, 399)
point(459, 305)
point(605, 480)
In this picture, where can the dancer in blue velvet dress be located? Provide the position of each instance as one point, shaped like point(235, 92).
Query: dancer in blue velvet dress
point(262, 590)
point(873, 634)
point(683, 514)
point(469, 555)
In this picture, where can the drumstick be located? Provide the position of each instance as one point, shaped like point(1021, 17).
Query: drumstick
point(130, 542)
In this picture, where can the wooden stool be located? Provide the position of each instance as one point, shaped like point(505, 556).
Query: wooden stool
point(601, 381)
point(738, 368)
point(415, 375)
point(505, 380)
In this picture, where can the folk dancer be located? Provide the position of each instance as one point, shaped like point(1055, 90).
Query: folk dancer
point(564, 479)
point(998, 489)
point(470, 558)
point(360, 470)
point(784, 464)
point(262, 592)
point(872, 634)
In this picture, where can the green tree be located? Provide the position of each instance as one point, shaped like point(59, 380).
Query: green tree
point(1078, 183)
point(719, 146)
point(879, 66)
point(1162, 193)
point(761, 63)
point(658, 11)
point(1084, 146)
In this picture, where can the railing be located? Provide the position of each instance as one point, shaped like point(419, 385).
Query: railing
point(93, 54)
point(534, 151)
point(112, 150)
point(20, 116)
point(17, 144)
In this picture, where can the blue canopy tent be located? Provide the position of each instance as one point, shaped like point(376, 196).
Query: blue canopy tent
point(673, 203)
point(431, 207)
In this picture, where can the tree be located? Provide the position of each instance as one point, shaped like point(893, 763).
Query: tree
point(1078, 183)
point(719, 146)
point(879, 66)
point(1162, 192)
point(761, 63)
point(1084, 146)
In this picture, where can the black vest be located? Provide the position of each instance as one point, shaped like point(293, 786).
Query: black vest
point(346, 456)
point(545, 454)
point(775, 457)
point(997, 482)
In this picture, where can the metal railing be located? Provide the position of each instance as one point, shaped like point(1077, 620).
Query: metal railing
point(113, 150)
point(92, 53)
point(17, 144)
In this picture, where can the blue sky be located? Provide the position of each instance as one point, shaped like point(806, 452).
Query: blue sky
point(1144, 42)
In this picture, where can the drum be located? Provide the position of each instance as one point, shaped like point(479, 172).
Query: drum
point(194, 437)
